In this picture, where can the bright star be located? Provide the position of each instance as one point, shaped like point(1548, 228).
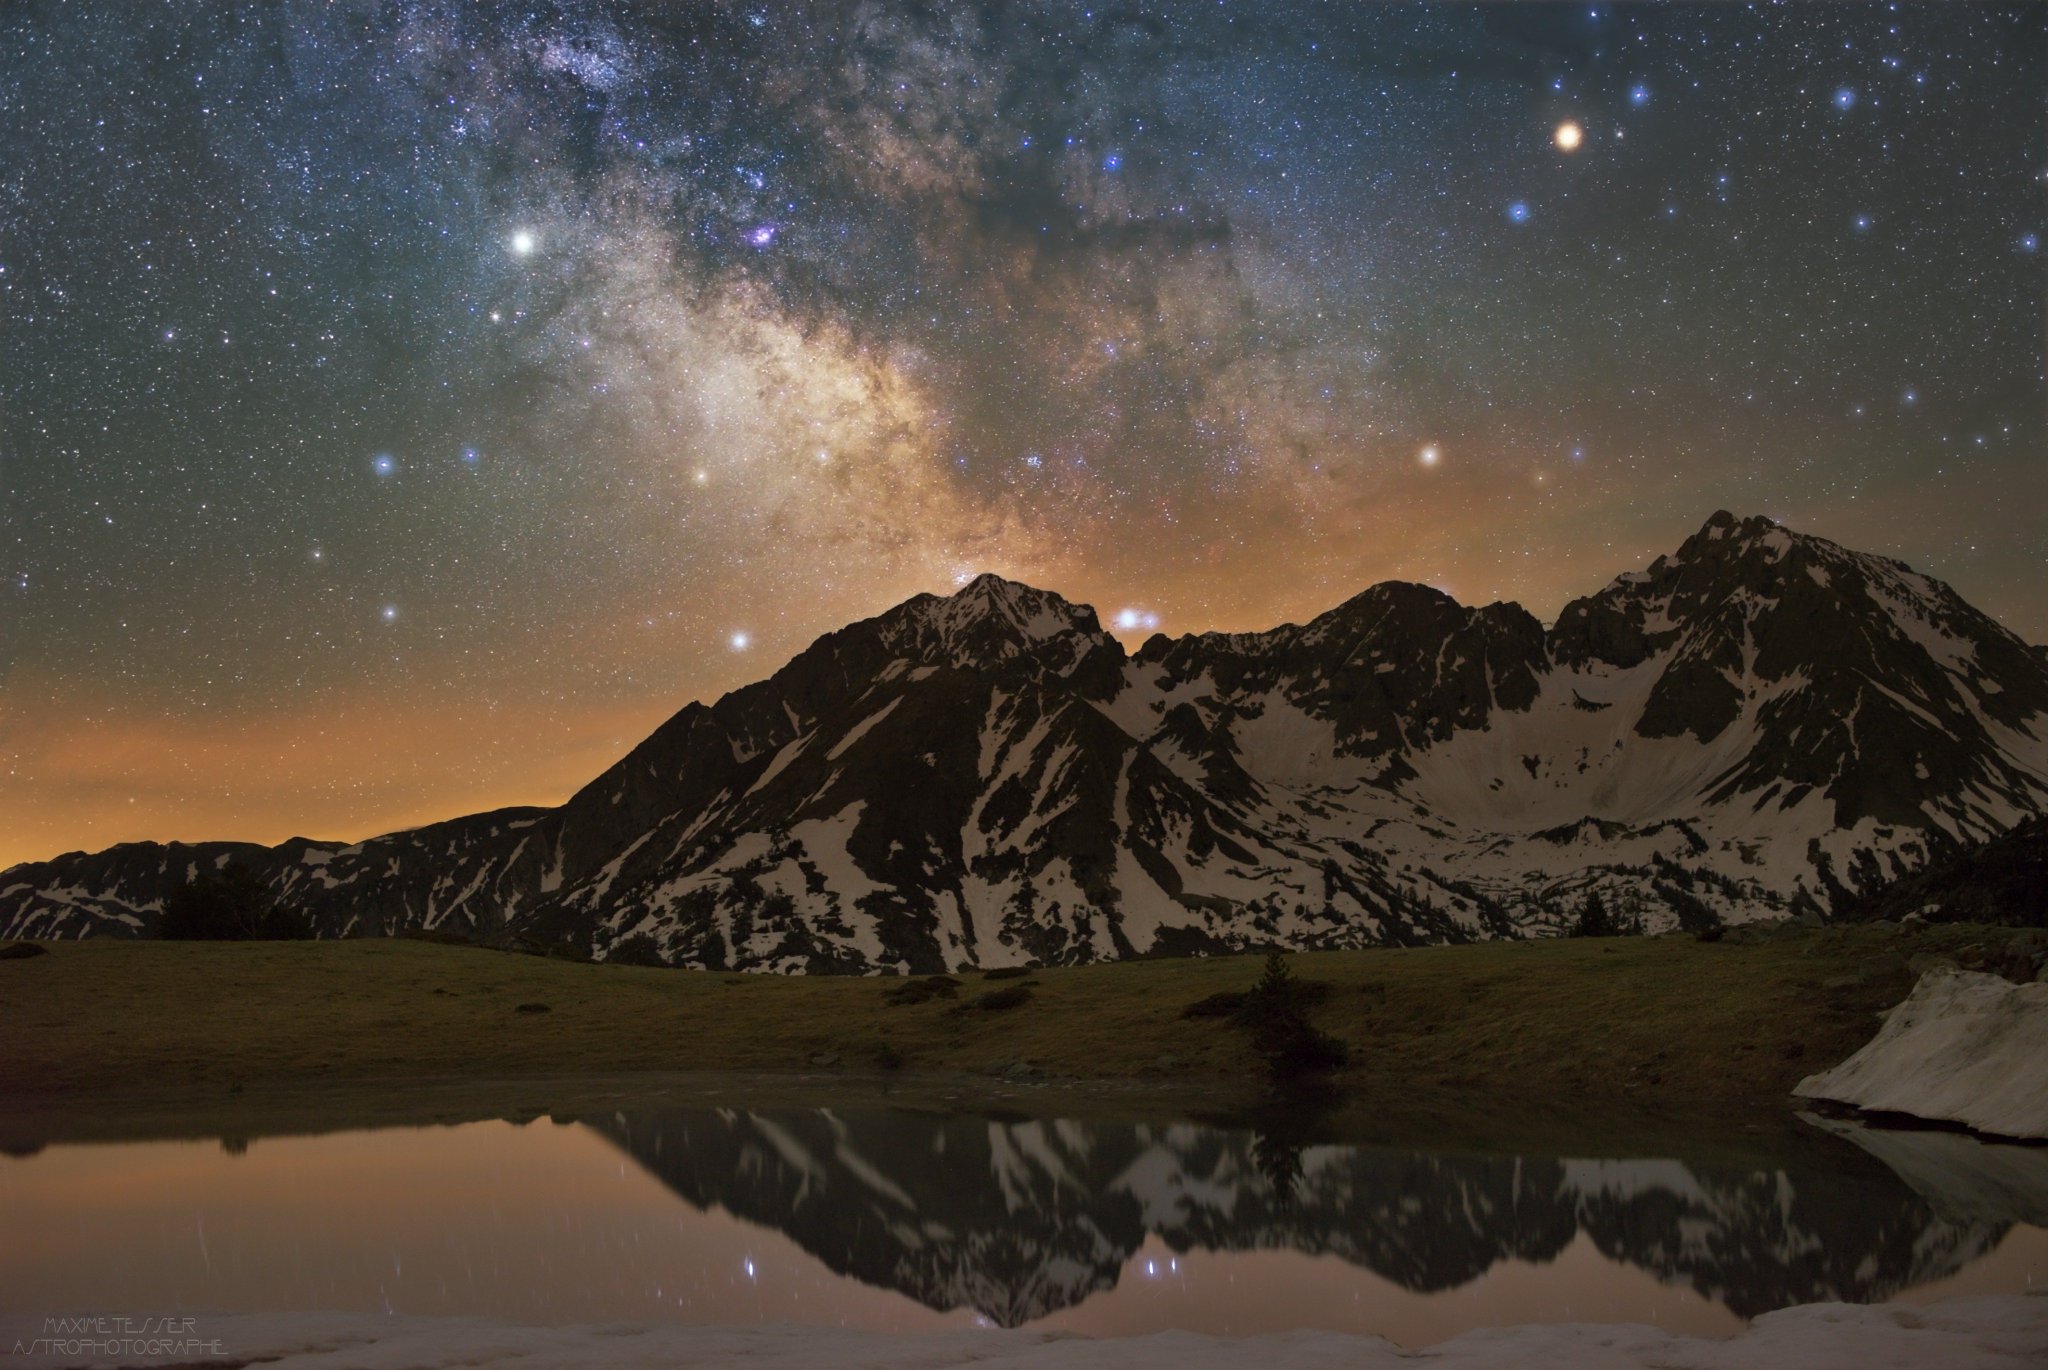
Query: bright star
point(1518, 212)
point(1845, 98)
point(2030, 242)
point(523, 243)
point(1429, 455)
point(383, 463)
point(390, 613)
point(763, 235)
point(1639, 95)
point(740, 642)
point(1568, 136)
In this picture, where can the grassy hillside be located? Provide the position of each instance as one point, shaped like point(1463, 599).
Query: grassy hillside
point(1556, 1029)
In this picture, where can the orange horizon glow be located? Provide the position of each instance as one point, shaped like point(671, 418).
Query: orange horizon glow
point(87, 767)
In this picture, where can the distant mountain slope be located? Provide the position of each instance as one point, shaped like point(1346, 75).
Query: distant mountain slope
point(2003, 881)
point(1761, 721)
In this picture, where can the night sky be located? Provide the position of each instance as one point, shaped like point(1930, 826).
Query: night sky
point(405, 407)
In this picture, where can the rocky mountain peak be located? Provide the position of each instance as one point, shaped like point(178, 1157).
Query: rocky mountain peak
point(1724, 532)
point(1753, 723)
point(1389, 602)
point(992, 620)
point(1036, 614)
point(1845, 673)
point(1717, 579)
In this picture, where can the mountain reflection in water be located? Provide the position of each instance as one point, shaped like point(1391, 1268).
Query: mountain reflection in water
point(1021, 1219)
point(901, 1221)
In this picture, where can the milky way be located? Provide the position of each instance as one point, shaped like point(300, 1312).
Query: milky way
point(404, 407)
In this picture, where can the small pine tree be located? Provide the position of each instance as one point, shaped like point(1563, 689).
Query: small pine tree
point(1594, 920)
point(1276, 1011)
point(1277, 983)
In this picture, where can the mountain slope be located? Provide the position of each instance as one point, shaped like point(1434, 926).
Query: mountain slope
point(2003, 881)
point(1761, 721)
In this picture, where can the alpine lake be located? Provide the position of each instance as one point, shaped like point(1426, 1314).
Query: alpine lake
point(902, 1217)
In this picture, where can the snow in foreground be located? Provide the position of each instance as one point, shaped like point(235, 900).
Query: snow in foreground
point(1963, 1048)
point(1996, 1333)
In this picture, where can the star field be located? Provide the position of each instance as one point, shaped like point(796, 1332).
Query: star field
point(403, 407)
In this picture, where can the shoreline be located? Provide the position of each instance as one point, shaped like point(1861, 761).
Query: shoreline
point(1981, 1332)
point(1638, 1041)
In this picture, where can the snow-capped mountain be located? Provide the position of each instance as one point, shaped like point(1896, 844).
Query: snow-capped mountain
point(1761, 722)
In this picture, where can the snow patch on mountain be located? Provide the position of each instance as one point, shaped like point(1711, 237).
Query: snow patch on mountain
point(1760, 723)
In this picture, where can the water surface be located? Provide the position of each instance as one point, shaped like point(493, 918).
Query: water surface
point(899, 1221)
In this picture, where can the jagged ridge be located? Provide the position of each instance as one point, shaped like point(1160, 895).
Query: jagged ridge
point(1759, 722)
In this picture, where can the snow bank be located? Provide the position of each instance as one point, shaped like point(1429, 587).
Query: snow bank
point(1963, 1047)
point(2001, 1333)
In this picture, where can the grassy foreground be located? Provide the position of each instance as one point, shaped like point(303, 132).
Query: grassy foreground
point(1557, 1029)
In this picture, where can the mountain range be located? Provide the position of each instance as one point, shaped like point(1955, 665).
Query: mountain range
point(1760, 723)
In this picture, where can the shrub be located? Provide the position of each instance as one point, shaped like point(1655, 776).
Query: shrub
point(922, 990)
point(1294, 1047)
point(1010, 996)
